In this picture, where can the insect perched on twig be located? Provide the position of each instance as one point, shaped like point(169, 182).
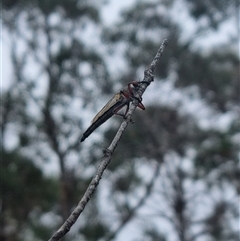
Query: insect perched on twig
point(114, 105)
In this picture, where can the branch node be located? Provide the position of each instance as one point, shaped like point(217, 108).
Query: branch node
point(107, 152)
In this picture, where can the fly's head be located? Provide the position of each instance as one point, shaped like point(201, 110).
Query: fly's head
point(130, 93)
point(133, 88)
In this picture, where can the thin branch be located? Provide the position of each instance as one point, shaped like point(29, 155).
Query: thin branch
point(148, 78)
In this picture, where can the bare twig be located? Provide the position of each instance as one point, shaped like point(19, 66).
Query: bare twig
point(148, 78)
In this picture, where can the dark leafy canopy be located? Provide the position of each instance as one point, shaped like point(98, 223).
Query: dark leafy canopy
point(215, 11)
point(20, 171)
point(167, 166)
point(218, 82)
point(25, 193)
point(72, 9)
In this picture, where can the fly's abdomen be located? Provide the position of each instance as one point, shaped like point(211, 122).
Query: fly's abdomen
point(97, 123)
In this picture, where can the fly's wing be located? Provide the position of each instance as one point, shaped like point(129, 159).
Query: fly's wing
point(115, 99)
point(104, 114)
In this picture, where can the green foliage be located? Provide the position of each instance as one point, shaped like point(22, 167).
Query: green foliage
point(72, 9)
point(24, 191)
point(216, 11)
point(217, 83)
point(94, 231)
point(153, 235)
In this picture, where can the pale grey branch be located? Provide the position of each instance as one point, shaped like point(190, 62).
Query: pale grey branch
point(148, 78)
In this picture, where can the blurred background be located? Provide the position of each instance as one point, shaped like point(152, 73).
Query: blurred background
point(175, 173)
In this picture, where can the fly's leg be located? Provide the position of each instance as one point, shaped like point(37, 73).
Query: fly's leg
point(124, 116)
point(136, 84)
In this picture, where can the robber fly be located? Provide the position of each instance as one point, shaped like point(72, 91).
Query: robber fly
point(114, 105)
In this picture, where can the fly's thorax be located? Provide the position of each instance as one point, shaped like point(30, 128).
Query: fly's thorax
point(119, 97)
point(129, 91)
